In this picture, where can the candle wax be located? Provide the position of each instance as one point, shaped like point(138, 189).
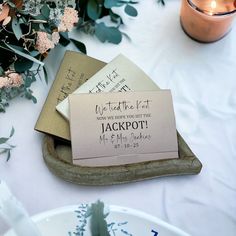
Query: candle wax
point(212, 7)
point(207, 20)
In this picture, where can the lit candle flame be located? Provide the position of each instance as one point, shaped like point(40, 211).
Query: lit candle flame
point(213, 6)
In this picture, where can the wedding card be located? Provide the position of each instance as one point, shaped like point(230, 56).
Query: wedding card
point(120, 75)
point(75, 69)
point(122, 128)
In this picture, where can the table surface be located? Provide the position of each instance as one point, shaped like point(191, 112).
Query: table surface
point(202, 78)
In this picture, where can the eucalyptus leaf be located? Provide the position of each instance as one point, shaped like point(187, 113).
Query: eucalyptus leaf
point(80, 46)
point(93, 9)
point(8, 155)
point(45, 11)
point(16, 28)
point(124, 1)
point(12, 131)
point(22, 65)
point(21, 20)
point(2, 108)
point(41, 27)
point(34, 99)
point(45, 74)
point(64, 39)
point(35, 26)
point(110, 34)
point(3, 46)
point(127, 36)
point(3, 140)
point(29, 80)
point(18, 48)
point(7, 147)
point(4, 151)
point(40, 17)
point(20, 53)
point(111, 3)
point(65, 35)
point(130, 10)
point(1, 71)
point(115, 17)
point(33, 78)
point(88, 213)
point(11, 146)
point(34, 53)
point(28, 95)
point(162, 2)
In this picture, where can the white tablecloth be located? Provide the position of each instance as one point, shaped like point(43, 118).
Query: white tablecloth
point(202, 78)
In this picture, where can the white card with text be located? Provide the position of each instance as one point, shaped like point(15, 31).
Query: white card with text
point(120, 75)
point(122, 128)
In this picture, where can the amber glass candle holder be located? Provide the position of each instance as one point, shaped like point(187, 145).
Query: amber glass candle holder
point(207, 20)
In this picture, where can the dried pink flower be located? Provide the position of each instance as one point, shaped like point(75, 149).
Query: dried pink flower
point(46, 41)
point(3, 82)
point(43, 43)
point(68, 20)
point(16, 79)
point(12, 79)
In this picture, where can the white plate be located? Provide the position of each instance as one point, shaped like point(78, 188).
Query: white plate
point(126, 222)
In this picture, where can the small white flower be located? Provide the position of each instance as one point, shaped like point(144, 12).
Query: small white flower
point(55, 37)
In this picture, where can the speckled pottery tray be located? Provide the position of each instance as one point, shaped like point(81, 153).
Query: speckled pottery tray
point(58, 157)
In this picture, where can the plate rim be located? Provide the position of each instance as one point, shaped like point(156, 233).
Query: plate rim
point(112, 208)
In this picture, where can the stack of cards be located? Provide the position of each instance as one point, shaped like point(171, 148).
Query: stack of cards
point(118, 116)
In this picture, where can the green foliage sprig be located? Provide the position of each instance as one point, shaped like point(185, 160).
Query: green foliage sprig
point(22, 43)
point(98, 220)
point(29, 29)
point(5, 147)
point(8, 93)
point(161, 2)
point(21, 21)
point(93, 10)
point(96, 215)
